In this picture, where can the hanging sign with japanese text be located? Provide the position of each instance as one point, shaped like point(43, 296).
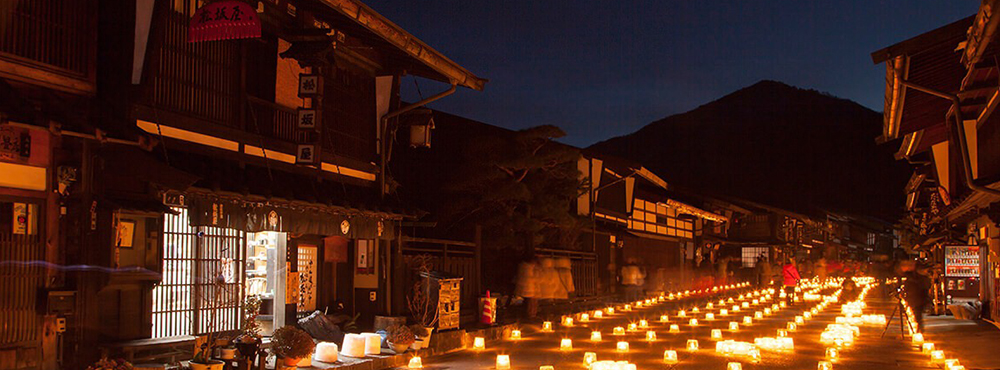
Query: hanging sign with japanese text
point(224, 20)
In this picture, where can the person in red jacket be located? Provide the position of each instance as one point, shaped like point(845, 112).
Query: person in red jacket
point(791, 278)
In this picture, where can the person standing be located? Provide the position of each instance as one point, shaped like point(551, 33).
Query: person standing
point(790, 277)
point(916, 287)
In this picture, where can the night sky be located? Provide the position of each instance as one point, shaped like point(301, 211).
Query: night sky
point(600, 69)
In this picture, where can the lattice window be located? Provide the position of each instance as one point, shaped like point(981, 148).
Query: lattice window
point(202, 284)
point(307, 277)
point(750, 255)
point(21, 247)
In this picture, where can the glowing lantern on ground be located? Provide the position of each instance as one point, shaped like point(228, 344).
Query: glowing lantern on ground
point(824, 365)
point(735, 309)
point(546, 367)
point(791, 326)
point(951, 363)
point(681, 313)
point(723, 312)
point(622, 347)
point(694, 310)
point(547, 326)
point(670, 357)
point(515, 334)
point(709, 316)
point(716, 334)
point(584, 317)
point(609, 310)
point(674, 328)
point(734, 326)
point(758, 315)
point(633, 327)
point(709, 305)
point(567, 321)
point(747, 320)
point(927, 347)
point(598, 314)
point(566, 344)
point(479, 343)
point(734, 366)
point(664, 318)
point(595, 336)
point(589, 358)
point(643, 324)
point(651, 335)
point(618, 330)
point(782, 304)
point(767, 310)
point(807, 315)
point(692, 345)
point(415, 363)
point(503, 362)
point(745, 305)
point(782, 333)
point(832, 354)
point(918, 339)
point(693, 322)
point(786, 343)
point(799, 320)
point(937, 356)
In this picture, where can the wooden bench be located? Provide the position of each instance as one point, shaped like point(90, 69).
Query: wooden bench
point(169, 350)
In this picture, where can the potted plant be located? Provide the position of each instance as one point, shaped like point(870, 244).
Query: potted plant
point(206, 345)
point(421, 333)
point(106, 364)
point(290, 345)
point(400, 337)
point(423, 309)
point(248, 341)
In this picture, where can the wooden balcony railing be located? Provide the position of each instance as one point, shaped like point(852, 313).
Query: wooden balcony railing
point(59, 34)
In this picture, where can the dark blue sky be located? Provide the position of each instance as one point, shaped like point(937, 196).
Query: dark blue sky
point(604, 68)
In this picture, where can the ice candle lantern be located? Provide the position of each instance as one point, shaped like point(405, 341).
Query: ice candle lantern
point(618, 330)
point(595, 336)
point(503, 362)
point(566, 344)
point(589, 358)
point(479, 343)
point(670, 357)
point(716, 334)
point(692, 345)
point(674, 328)
point(415, 363)
point(547, 326)
point(622, 346)
point(515, 334)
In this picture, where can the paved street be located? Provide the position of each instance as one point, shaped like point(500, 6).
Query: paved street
point(538, 348)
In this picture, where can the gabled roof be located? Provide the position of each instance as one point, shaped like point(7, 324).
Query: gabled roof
point(420, 59)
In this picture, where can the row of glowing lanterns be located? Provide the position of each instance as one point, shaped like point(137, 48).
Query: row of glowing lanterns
point(937, 356)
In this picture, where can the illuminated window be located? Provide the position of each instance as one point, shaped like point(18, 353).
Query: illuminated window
point(750, 255)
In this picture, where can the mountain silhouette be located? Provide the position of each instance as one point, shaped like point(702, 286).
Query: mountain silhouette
point(776, 144)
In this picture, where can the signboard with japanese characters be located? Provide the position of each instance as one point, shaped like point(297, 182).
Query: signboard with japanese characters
point(307, 118)
point(224, 20)
point(309, 85)
point(305, 154)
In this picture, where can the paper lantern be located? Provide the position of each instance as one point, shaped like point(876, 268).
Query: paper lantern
point(627, 308)
point(598, 314)
point(786, 343)
point(515, 334)
point(633, 327)
point(643, 324)
point(674, 328)
point(618, 330)
point(767, 310)
point(782, 304)
point(326, 352)
point(546, 326)
point(754, 354)
point(734, 326)
point(664, 318)
point(503, 362)
point(758, 315)
point(734, 366)
point(479, 343)
point(747, 320)
point(622, 346)
point(670, 356)
point(807, 315)
point(937, 356)
point(595, 336)
point(694, 310)
point(589, 358)
point(681, 313)
point(609, 310)
point(567, 321)
point(584, 317)
point(723, 312)
point(918, 339)
point(709, 316)
point(745, 305)
point(566, 344)
point(716, 334)
point(709, 305)
point(824, 365)
point(650, 335)
point(373, 343)
point(692, 345)
point(415, 363)
point(354, 345)
point(693, 322)
point(799, 320)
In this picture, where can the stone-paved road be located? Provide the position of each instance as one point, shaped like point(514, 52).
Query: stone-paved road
point(537, 349)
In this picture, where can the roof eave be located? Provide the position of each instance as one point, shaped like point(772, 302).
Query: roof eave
point(412, 46)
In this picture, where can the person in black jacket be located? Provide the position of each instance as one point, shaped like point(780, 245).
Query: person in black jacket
point(915, 292)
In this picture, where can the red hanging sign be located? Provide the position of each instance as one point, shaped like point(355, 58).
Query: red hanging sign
point(224, 20)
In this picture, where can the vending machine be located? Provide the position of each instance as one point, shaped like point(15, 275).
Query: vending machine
point(961, 270)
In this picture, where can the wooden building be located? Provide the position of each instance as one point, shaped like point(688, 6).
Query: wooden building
point(164, 172)
point(940, 96)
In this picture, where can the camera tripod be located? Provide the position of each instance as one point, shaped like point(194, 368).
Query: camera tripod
point(903, 319)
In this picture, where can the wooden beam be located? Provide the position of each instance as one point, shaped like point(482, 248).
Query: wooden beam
point(36, 76)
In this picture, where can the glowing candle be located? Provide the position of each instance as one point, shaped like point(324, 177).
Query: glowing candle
point(681, 313)
point(745, 305)
point(722, 302)
point(503, 362)
point(664, 318)
point(643, 324)
point(627, 308)
point(609, 310)
point(584, 317)
point(709, 316)
point(695, 310)
point(670, 356)
point(479, 343)
point(951, 363)
point(693, 322)
point(918, 339)
point(791, 326)
point(515, 334)
point(595, 336)
point(651, 335)
point(716, 334)
point(927, 347)
point(546, 326)
point(734, 366)
point(730, 300)
point(692, 345)
point(754, 354)
point(598, 314)
point(937, 356)
point(767, 310)
point(589, 358)
point(734, 326)
point(633, 327)
point(622, 346)
point(723, 312)
point(415, 363)
point(782, 333)
point(786, 343)
point(546, 367)
point(566, 344)
point(709, 305)
point(735, 308)
point(782, 304)
point(799, 320)
point(567, 321)
point(824, 365)
point(747, 320)
point(758, 315)
point(674, 328)
point(831, 354)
